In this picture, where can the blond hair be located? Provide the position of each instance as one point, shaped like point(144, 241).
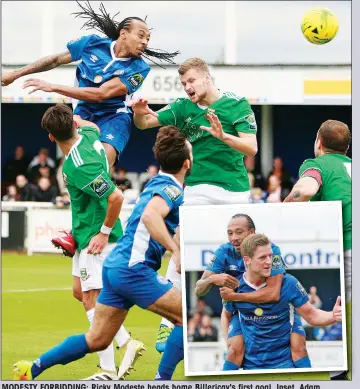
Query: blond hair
point(251, 243)
point(193, 63)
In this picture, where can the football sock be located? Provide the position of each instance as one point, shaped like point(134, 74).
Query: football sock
point(302, 363)
point(173, 354)
point(71, 349)
point(230, 366)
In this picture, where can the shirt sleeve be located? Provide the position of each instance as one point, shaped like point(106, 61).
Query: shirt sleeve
point(77, 46)
point(244, 118)
point(134, 77)
point(310, 168)
point(168, 115)
point(94, 181)
point(297, 293)
point(277, 263)
point(217, 263)
point(172, 194)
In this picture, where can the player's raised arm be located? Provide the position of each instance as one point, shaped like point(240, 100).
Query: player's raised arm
point(144, 117)
point(245, 143)
point(42, 65)
point(318, 317)
point(112, 88)
point(303, 190)
point(153, 219)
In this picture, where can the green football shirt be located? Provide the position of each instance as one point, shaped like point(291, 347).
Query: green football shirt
point(215, 162)
point(87, 177)
point(335, 170)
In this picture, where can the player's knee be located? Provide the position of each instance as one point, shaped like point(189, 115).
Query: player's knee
point(234, 354)
point(77, 294)
point(89, 299)
point(97, 341)
point(298, 346)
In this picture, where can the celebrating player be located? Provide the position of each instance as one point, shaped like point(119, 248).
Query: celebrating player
point(226, 268)
point(95, 206)
point(219, 175)
point(130, 271)
point(111, 69)
point(327, 177)
point(267, 327)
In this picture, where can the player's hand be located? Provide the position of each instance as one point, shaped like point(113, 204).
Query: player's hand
point(37, 85)
point(224, 280)
point(98, 243)
point(216, 129)
point(140, 107)
point(8, 78)
point(337, 312)
point(227, 294)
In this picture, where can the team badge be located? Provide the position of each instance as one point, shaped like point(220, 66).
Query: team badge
point(100, 185)
point(136, 80)
point(258, 312)
point(173, 192)
point(98, 79)
point(84, 275)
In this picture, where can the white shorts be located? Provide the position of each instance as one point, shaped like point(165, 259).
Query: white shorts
point(89, 267)
point(205, 194)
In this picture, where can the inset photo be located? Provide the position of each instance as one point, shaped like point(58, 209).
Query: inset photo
point(264, 288)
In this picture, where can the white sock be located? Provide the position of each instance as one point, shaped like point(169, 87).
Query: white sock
point(122, 336)
point(175, 278)
point(107, 357)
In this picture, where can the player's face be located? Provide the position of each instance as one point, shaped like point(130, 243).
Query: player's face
point(137, 39)
point(238, 230)
point(261, 261)
point(195, 83)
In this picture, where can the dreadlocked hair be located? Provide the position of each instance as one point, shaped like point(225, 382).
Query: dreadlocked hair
point(106, 24)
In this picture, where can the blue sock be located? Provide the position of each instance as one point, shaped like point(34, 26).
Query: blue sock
point(302, 363)
point(230, 366)
point(173, 354)
point(71, 349)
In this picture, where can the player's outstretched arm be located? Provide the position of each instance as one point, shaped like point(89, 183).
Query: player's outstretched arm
point(209, 278)
point(42, 65)
point(269, 294)
point(303, 190)
point(109, 89)
point(99, 241)
point(318, 317)
point(153, 219)
point(144, 117)
point(245, 143)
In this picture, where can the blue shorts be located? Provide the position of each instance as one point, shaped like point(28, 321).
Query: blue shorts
point(287, 364)
point(234, 326)
point(126, 286)
point(297, 326)
point(115, 128)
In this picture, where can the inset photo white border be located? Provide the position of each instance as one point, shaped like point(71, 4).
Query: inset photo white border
point(200, 224)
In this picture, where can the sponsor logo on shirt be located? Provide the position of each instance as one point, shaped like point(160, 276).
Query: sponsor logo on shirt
point(250, 119)
point(136, 80)
point(119, 72)
point(233, 268)
point(173, 192)
point(100, 186)
point(93, 58)
point(84, 275)
point(258, 312)
point(301, 289)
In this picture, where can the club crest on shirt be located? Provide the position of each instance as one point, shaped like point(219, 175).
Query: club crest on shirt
point(97, 79)
point(173, 192)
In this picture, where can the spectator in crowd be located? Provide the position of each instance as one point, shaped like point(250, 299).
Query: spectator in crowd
point(24, 188)
point(314, 298)
point(286, 181)
point(16, 166)
point(11, 194)
point(201, 308)
point(44, 191)
point(152, 171)
point(121, 181)
point(205, 332)
point(40, 161)
point(257, 196)
point(274, 189)
point(250, 165)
